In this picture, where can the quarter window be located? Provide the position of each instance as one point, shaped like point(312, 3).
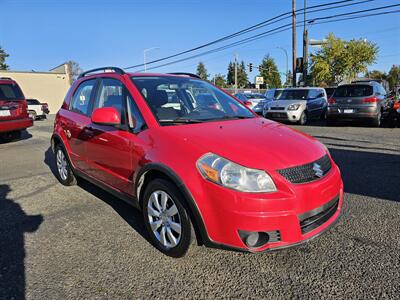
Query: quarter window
point(81, 99)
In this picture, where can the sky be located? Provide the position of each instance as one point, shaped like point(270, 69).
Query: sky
point(41, 34)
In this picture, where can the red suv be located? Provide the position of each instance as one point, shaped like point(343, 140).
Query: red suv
point(14, 115)
point(196, 161)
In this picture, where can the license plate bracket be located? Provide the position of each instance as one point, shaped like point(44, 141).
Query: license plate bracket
point(5, 113)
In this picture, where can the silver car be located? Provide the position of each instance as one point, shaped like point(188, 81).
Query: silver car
point(359, 101)
point(255, 101)
point(298, 105)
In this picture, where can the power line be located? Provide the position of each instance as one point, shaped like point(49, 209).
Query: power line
point(276, 30)
point(254, 27)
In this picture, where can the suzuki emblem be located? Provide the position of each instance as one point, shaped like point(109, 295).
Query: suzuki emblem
point(318, 171)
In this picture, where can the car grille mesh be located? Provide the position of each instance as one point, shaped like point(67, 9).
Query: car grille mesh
point(306, 173)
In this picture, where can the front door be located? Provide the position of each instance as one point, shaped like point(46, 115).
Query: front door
point(108, 149)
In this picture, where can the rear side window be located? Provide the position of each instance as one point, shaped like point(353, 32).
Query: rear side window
point(10, 92)
point(32, 102)
point(354, 91)
point(81, 100)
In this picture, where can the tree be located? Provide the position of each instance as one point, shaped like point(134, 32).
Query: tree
point(394, 77)
point(3, 56)
point(202, 71)
point(219, 80)
point(375, 74)
point(269, 71)
point(231, 74)
point(339, 60)
point(243, 79)
point(74, 70)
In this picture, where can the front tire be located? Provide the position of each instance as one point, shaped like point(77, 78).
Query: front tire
point(64, 170)
point(303, 118)
point(167, 219)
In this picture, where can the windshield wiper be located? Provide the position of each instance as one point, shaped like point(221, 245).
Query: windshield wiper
point(181, 121)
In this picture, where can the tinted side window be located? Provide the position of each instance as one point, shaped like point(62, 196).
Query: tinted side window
point(81, 99)
point(110, 94)
point(10, 92)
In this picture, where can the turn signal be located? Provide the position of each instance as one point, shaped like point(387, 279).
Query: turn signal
point(332, 101)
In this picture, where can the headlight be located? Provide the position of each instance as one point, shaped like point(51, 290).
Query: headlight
point(231, 175)
point(293, 107)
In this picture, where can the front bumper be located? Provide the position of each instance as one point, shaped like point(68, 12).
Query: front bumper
point(13, 125)
point(284, 115)
point(282, 213)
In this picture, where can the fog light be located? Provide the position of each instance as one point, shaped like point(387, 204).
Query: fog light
point(294, 117)
point(252, 239)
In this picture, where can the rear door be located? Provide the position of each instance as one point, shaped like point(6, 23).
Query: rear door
point(12, 102)
point(109, 149)
point(76, 120)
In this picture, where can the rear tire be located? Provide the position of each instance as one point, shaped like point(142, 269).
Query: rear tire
point(167, 219)
point(63, 165)
point(330, 122)
point(377, 121)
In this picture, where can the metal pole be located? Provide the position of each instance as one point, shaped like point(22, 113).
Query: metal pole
point(305, 47)
point(294, 41)
point(144, 56)
point(287, 63)
point(236, 72)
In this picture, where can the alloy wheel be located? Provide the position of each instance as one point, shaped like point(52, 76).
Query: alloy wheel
point(62, 165)
point(164, 219)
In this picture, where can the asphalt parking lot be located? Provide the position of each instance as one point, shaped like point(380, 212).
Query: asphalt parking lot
point(80, 242)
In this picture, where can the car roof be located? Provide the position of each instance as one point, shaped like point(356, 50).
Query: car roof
point(304, 88)
point(7, 80)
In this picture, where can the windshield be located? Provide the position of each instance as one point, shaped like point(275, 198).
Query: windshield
point(298, 94)
point(353, 91)
point(10, 92)
point(184, 100)
point(254, 96)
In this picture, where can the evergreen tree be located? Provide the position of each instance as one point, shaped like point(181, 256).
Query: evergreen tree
point(269, 71)
point(3, 56)
point(202, 71)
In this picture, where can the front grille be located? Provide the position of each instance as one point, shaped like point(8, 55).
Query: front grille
point(308, 172)
point(316, 217)
point(277, 115)
point(277, 108)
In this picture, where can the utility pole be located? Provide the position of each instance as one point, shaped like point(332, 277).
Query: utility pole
point(294, 41)
point(305, 47)
point(236, 72)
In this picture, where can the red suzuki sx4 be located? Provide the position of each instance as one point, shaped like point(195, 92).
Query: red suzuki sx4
point(197, 162)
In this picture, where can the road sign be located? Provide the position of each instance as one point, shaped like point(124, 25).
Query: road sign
point(259, 80)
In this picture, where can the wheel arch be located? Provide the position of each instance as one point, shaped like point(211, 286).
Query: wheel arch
point(157, 170)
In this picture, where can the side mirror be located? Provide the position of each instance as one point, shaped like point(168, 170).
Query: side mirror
point(106, 116)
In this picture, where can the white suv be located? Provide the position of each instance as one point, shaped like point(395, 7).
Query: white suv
point(298, 105)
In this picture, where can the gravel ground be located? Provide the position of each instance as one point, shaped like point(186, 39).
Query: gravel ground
point(61, 242)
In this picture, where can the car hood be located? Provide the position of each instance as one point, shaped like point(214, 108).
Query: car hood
point(285, 103)
point(256, 143)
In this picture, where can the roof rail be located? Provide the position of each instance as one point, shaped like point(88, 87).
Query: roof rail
point(6, 78)
point(104, 69)
point(186, 74)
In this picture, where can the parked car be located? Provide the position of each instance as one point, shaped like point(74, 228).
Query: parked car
point(13, 110)
point(36, 109)
point(217, 173)
point(329, 91)
point(298, 105)
point(359, 101)
point(255, 101)
point(273, 94)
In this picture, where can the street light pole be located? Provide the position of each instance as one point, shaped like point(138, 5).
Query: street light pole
point(236, 72)
point(287, 63)
point(144, 56)
point(294, 41)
